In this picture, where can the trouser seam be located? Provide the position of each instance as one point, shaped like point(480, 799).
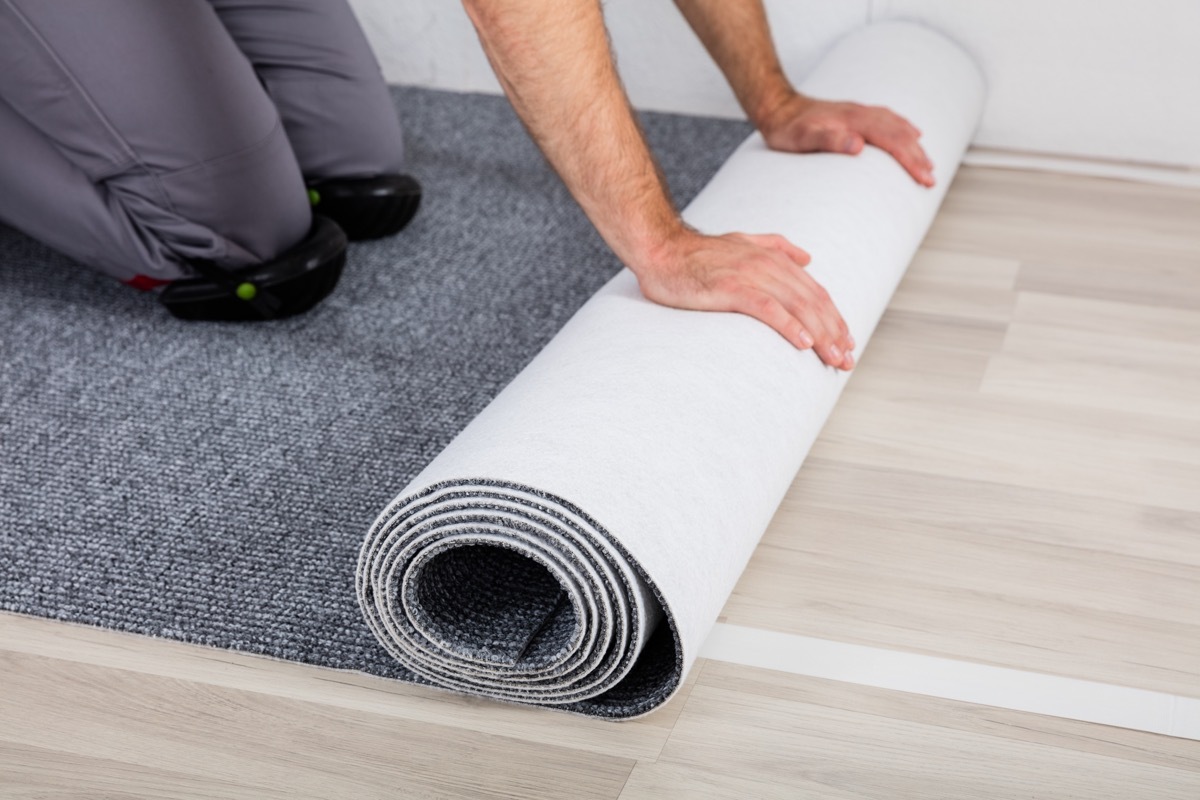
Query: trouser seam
point(131, 157)
point(276, 128)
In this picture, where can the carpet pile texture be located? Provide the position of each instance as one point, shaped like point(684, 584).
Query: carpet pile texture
point(211, 483)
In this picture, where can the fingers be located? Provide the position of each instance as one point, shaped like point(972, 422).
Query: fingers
point(899, 141)
point(812, 318)
point(805, 300)
point(766, 308)
point(914, 160)
point(899, 138)
point(814, 308)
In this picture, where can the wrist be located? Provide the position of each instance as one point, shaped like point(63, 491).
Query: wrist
point(777, 106)
point(657, 249)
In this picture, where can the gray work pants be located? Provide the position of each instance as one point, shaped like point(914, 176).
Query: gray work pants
point(138, 134)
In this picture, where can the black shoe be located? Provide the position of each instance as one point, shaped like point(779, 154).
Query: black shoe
point(290, 284)
point(367, 208)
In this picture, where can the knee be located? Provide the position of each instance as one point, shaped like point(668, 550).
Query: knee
point(238, 209)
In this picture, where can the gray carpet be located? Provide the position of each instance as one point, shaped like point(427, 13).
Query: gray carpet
point(213, 483)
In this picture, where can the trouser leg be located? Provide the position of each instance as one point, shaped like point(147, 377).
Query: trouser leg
point(320, 71)
point(141, 138)
point(51, 199)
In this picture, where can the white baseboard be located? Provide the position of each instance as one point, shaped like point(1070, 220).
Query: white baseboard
point(968, 682)
point(1143, 173)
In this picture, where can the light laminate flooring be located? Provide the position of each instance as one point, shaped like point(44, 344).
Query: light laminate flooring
point(1013, 476)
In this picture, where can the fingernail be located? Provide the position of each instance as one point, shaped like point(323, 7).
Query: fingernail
point(848, 364)
point(805, 339)
point(853, 344)
point(835, 353)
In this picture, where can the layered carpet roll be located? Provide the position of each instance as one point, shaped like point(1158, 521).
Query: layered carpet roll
point(574, 544)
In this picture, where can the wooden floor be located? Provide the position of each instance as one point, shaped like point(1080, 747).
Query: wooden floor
point(1012, 477)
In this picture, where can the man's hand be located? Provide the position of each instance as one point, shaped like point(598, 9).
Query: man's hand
point(736, 35)
point(801, 124)
point(762, 276)
point(553, 59)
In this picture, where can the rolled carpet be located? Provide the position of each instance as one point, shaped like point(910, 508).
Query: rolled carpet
point(573, 546)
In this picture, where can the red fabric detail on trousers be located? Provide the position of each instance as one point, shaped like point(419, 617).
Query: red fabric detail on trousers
point(145, 283)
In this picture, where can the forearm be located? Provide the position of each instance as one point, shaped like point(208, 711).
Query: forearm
point(553, 59)
point(737, 36)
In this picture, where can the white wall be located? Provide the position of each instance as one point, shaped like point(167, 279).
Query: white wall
point(1111, 79)
point(664, 66)
point(426, 43)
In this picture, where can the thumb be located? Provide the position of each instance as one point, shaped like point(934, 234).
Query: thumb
point(851, 144)
point(835, 140)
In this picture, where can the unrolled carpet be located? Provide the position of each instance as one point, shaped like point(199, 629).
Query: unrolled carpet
point(211, 483)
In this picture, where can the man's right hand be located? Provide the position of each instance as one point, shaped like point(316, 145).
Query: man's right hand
point(763, 276)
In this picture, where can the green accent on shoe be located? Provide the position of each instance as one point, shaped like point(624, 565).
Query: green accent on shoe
point(314, 197)
point(247, 291)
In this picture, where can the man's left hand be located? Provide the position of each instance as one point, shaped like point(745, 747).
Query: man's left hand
point(802, 124)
